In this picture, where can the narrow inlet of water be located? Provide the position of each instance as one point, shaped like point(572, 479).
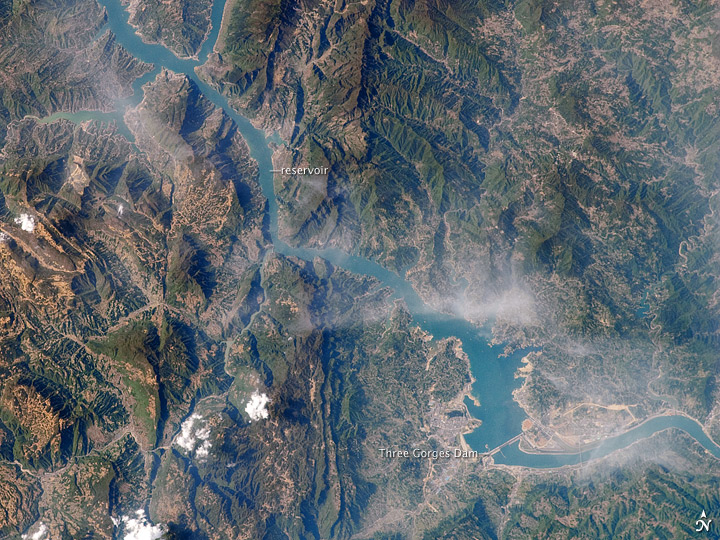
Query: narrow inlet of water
point(494, 373)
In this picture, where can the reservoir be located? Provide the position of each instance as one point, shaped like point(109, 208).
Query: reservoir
point(494, 373)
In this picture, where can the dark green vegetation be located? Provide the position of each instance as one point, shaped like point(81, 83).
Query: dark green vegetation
point(144, 293)
point(180, 26)
point(650, 490)
point(346, 375)
point(110, 306)
point(550, 164)
point(52, 62)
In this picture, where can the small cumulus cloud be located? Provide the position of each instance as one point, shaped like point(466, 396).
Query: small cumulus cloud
point(39, 534)
point(256, 408)
point(26, 222)
point(120, 210)
point(203, 450)
point(194, 436)
point(139, 528)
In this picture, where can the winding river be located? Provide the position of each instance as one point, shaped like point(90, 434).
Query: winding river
point(501, 416)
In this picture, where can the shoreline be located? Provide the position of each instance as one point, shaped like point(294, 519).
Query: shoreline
point(576, 466)
point(145, 39)
point(593, 446)
point(467, 392)
point(224, 21)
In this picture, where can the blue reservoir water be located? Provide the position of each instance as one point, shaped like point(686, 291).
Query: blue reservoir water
point(512, 455)
point(501, 416)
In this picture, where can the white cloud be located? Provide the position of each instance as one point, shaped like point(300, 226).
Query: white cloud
point(515, 305)
point(256, 408)
point(191, 433)
point(138, 528)
point(26, 222)
point(37, 535)
point(120, 210)
point(203, 450)
point(40, 532)
point(185, 439)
